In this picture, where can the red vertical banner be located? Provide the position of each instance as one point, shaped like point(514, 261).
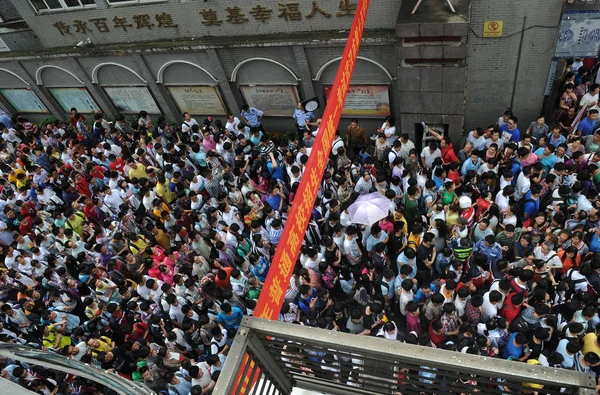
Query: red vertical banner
point(276, 284)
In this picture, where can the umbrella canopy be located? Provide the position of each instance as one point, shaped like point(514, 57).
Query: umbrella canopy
point(367, 212)
point(375, 198)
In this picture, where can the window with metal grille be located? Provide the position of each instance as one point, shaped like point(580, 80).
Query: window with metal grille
point(61, 5)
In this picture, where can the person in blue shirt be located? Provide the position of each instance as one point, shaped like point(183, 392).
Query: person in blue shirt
point(472, 164)
point(302, 117)
point(275, 171)
point(275, 198)
point(511, 130)
point(425, 292)
point(307, 294)
point(230, 317)
point(5, 120)
point(555, 138)
point(547, 158)
point(252, 117)
point(595, 242)
point(377, 236)
point(514, 346)
point(439, 177)
point(587, 124)
point(407, 257)
point(490, 248)
point(531, 206)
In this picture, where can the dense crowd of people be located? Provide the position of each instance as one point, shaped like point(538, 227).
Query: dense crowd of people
point(138, 248)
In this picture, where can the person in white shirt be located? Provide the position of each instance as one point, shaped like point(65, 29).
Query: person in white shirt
point(175, 308)
point(523, 183)
point(583, 203)
point(489, 309)
point(504, 118)
point(590, 98)
point(188, 122)
point(10, 136)
point(407, 146)
point(113, 200)
point(502, 199)
point(232, 123)
point(546, 253)
point(202, 376)
point(429, 154)
point(389, 129)
point(576, 65)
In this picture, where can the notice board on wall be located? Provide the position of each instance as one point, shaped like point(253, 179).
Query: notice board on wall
point(78, 98)
point(365, 101)
point(24, 100)
point(132, 99)
point(273, 100)
point(198, 100)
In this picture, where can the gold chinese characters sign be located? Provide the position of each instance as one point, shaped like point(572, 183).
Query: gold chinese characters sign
point(287, 11)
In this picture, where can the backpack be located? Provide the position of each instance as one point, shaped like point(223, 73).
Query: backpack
point(386, 156)
point(422, 208)
point(519, 325)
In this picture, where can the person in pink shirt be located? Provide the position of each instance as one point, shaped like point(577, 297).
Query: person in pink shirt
point(208, 142)
point(529, 159)
point(386, 225)
point(158, 255)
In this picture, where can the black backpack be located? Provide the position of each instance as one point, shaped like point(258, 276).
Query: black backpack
point(386, 156)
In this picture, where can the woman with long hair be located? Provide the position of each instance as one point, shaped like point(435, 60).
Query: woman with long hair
point(259, 183)
point(569, 258)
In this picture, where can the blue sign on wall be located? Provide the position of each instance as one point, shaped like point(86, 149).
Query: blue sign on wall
point(579, 35)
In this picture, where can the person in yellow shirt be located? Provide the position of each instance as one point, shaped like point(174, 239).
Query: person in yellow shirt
point(590, 342)
point(21, 180)
point(136, 170)
point(75, 221)
point(414, 238)
point(104, 344)
point(158, 207)
point(12, 176)
point(163, 191)
point(137, 245)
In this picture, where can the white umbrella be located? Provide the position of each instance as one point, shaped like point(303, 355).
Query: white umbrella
point(375, 198)
point(367, 212)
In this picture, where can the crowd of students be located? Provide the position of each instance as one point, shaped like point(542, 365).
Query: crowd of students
point(138, 248)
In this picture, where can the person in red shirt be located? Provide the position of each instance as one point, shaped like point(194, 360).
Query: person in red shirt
point(82, 185)
point(454, 173)
point(512, 307)
point(26, 227)
point(89, 209)
point(448, 153)
point(138, 330)
point(116, 164)
point(222, 279)
point(95, 171)
point(26, 208)
point(436, 333)
point(73, 120)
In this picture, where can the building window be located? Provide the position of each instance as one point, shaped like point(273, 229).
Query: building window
point(117, 2)
point(3, 46)
point(57, 5)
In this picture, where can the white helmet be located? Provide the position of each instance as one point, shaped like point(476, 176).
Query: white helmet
point(464, 202)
